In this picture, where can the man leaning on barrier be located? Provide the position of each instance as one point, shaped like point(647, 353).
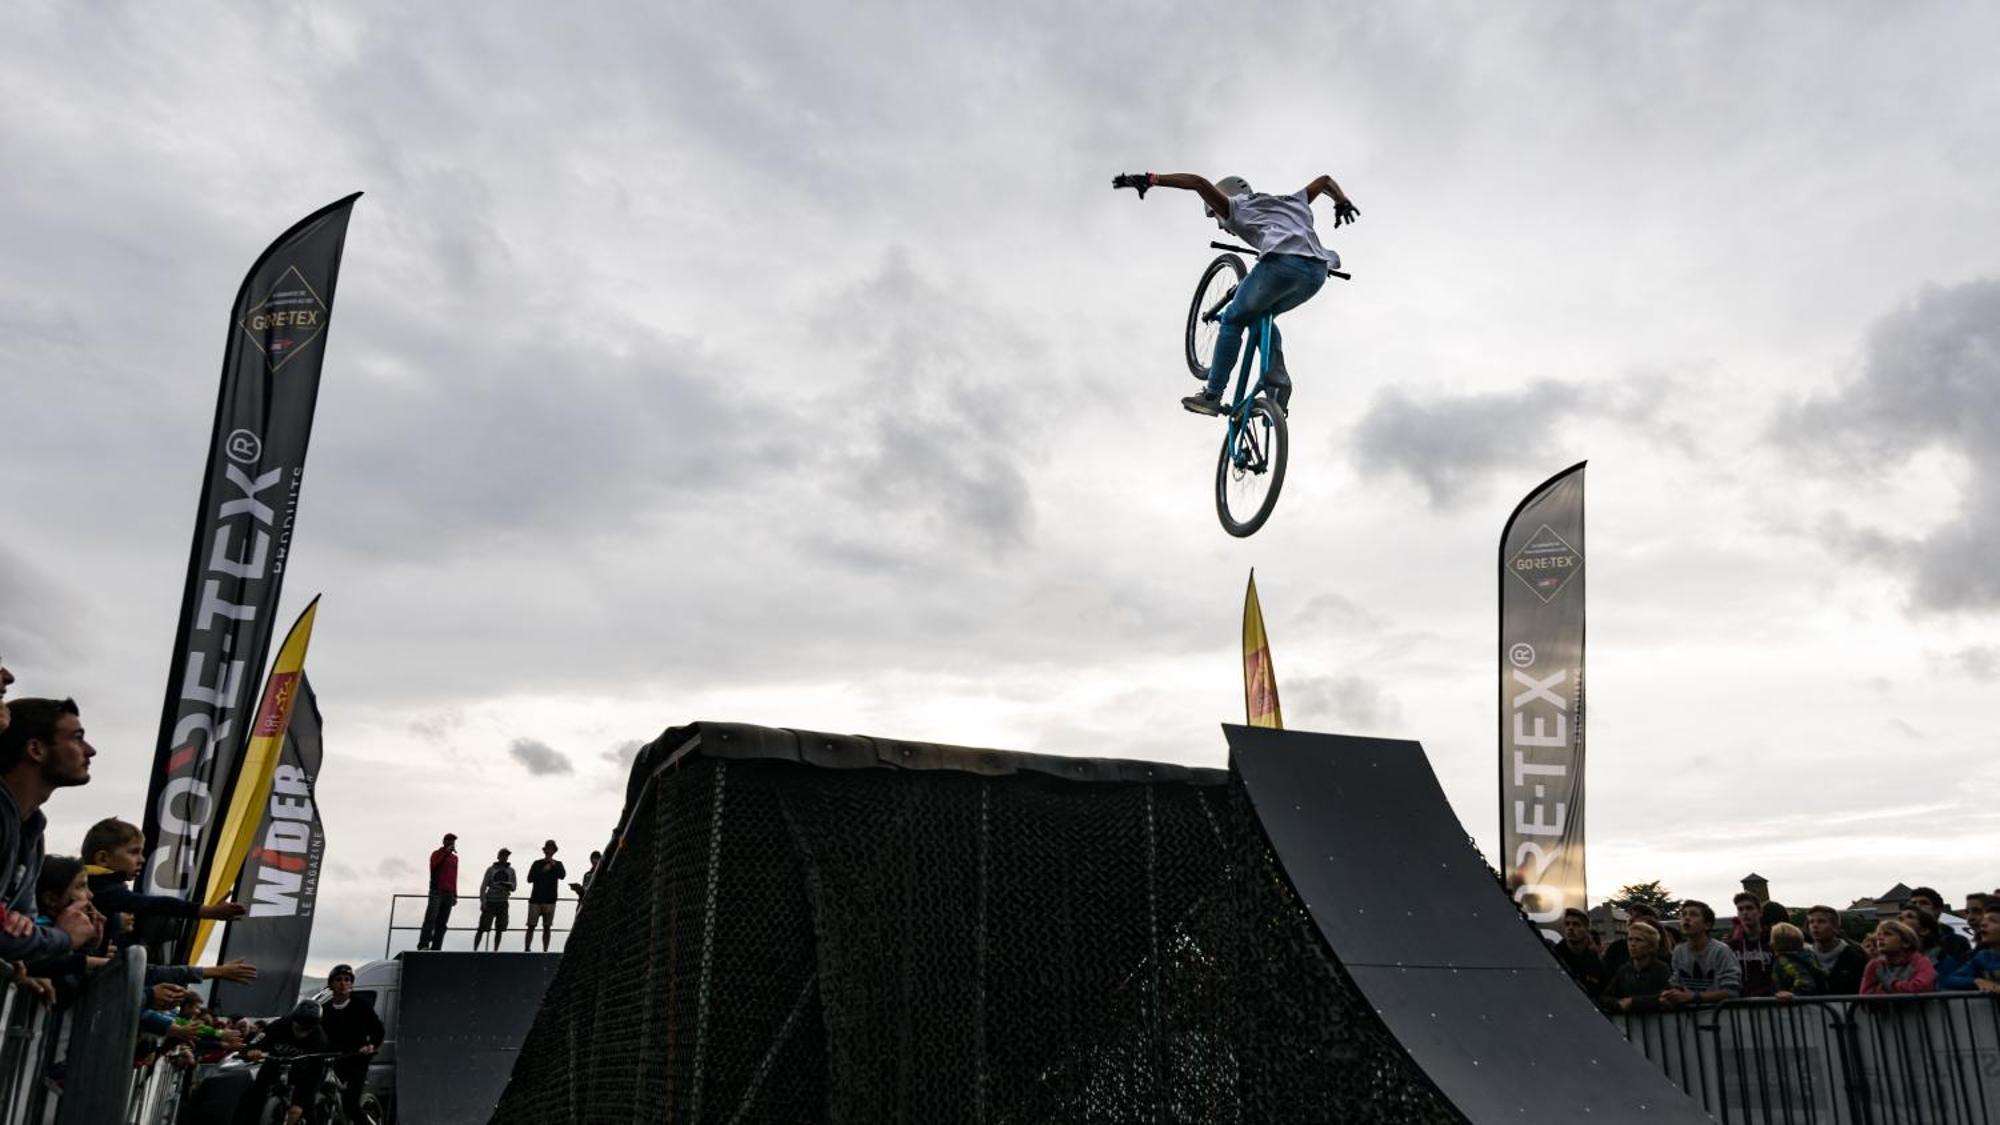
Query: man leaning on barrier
point(43, 749)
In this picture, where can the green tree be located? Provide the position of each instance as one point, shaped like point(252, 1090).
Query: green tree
point(1650, 894)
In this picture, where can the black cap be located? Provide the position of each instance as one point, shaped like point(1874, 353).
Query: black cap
point(306, 1014)
point(341, 971)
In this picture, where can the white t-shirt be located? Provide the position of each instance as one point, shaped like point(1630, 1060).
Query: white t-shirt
point(1277, 224)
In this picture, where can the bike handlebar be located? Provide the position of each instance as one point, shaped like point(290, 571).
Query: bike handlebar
point(1330, 272)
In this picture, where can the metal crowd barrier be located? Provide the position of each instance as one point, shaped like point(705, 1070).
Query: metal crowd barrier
point(73, 1065)
point(1928, 1059)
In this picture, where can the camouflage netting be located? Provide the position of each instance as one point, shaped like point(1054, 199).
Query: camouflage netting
point(786, 942)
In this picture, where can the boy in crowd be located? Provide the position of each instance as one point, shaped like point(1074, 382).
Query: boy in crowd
point(1578, 953)
point(1704, 970)
point(1841, 960)
point(1620, 951)
point(1982, 970)
point(113, 850)
point(1752, 945)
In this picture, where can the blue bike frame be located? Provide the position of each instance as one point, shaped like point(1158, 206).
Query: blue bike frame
point(1246, 391)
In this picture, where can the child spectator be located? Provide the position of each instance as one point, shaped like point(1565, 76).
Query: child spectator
point(1703, 969)
point(1618, 952)
point(1577, 951)
point(1841, 960)
point(1642, 976)
point(1946, 950)
point(1752, 945)
point(1794, 972)
point(1898, 965)
point(62, 884)
point(113, 850)
point(1981, 971)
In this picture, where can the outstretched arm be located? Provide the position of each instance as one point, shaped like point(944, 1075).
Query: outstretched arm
point(1344, 210)
point(1186, 181)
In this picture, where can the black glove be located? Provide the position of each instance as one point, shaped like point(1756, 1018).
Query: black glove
point(1139, 181)
point(1344, 212)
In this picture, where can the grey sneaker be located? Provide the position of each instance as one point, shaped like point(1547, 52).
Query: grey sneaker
point(1203, 404)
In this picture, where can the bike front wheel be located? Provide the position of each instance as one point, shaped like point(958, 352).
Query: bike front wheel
point(1217, 289)
point(1251, 469)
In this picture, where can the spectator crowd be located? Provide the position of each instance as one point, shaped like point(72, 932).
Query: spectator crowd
point(67, 921)
point(1668, 963)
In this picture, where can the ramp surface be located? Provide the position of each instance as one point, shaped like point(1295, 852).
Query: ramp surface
point(462, 1020)
point(1411, 911)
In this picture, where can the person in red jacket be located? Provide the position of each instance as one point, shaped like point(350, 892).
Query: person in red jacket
point(1899, 966)
point(443, 894)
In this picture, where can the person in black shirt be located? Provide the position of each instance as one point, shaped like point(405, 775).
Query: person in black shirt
point(353, 1029)
point(545, 877)
point(1640, 978)
point(1841, 960)
point(1578, 953)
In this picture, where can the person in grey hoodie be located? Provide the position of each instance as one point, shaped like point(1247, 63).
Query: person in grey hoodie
point(495, 888)
point(1704, 970)
point(43, 749)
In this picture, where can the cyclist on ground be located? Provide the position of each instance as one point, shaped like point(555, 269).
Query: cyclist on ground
point(1291, 264)
point(353, 1029)
point(300, 1033)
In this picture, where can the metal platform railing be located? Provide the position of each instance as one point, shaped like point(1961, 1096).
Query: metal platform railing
point(465, 916)
point(1928, 1059)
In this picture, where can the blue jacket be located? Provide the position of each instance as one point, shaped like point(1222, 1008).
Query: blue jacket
point(1984, 964)
point(20, 867)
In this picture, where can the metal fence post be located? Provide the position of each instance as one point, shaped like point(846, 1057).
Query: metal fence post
point(97, 1085)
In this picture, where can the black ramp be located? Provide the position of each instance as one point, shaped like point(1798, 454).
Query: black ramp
point(463, 1017)
point(1411, 911)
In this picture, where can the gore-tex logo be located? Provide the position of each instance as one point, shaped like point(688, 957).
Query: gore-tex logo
point(289, 317)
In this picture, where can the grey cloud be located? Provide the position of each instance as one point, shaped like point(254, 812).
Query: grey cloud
point(1930, 381)
point(1454, 444)
point(39, 618)
point(439, 727)
point(1451, 444)
point(1981, 663)
point(394, 868)
point(624, 754)
point(1349, 703)
point(539, 757)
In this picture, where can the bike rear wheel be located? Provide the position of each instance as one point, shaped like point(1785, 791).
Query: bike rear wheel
point(1218, 286)
point(1251, 470)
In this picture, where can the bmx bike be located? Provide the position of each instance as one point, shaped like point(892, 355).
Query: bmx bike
point(329, 1106)
point(1250, 471)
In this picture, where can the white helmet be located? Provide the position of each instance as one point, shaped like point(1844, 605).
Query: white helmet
point(1231, 186)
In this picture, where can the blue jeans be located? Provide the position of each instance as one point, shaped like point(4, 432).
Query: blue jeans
point(1277, 283)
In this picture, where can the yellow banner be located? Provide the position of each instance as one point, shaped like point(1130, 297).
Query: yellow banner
point(1260, 679)
point(253, 781)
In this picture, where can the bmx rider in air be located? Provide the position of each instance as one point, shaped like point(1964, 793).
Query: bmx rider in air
point(1291, 264)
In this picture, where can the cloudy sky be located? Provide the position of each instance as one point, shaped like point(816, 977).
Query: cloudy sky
point(798, 367)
